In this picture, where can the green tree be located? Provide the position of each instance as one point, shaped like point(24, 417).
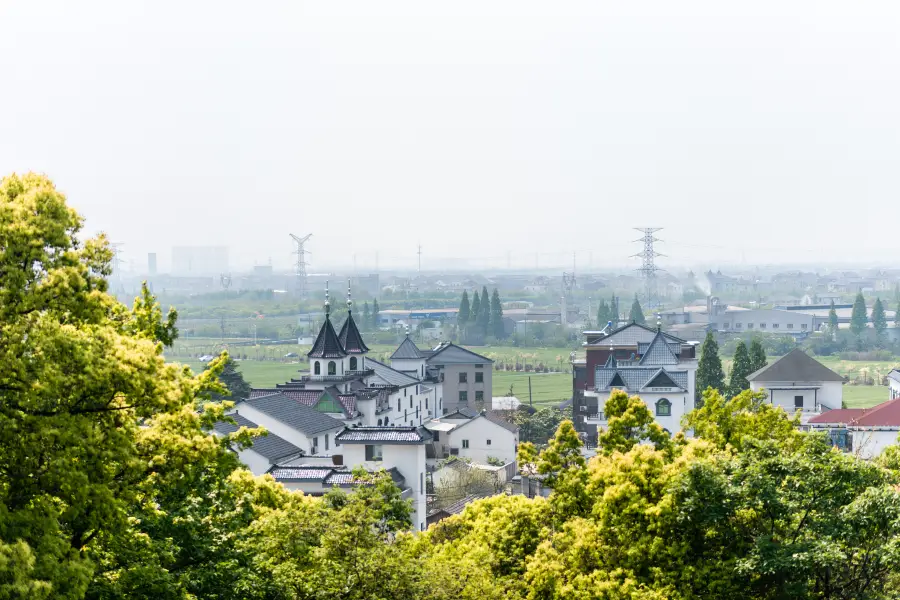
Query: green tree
point(375, 311)
point(832, 321)
point(897, 315)
point(637, 314)
point(476, 308)
point(496, 315)
point(709, 368)
point(603, 314)
point(538, 427)
point(233, 380)
point(484, 312)
point(741, 366)
point(629, 422)
point(879, 320)
point(742, 420)
point(367, 316)
point(757, 355)
point(462, 318)
point(858, 317)
point(614, 310)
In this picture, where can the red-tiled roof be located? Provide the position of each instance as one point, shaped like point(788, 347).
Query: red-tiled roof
point(886, 414)
point(838, 415)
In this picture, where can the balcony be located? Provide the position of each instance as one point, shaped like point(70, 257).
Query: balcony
point(348, 376)
point(597, 418)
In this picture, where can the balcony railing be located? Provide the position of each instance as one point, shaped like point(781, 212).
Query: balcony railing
point(597, 416)
point(347, 376)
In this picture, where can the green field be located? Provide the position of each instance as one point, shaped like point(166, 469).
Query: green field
point(864, 396)
point(547, 389)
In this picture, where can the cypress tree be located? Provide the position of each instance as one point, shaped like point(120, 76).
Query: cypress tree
point(757, 355)
point(366, 316)
point(497, 316)
point(603, 315)
point(375, 314)
point(463, 317)
point(858, 318)
point(709, 369)
point(741, 366)
point(476, 308)
point(637, 314)
point(238, 388)
point(613, 311)
point(832, 321)
point(897, 316)
point(879, 319)
point(484, 312)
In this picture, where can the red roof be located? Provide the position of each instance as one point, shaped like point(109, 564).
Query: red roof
point(886, 414)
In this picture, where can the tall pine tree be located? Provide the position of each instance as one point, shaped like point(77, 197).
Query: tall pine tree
point(858, 318)
point(366, 316)
point(497, 316)
point(879, 320)
point(374, 323)
point(603, 314)
point(832, 321)
point(484, 312)
point(757, 355)
point(709, 369)
point(741, 366)
point(637, 313)
point(463, 317)
point(476, 308)
point(238, 389)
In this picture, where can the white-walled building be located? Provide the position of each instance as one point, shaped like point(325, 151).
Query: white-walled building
point(266, 451)
point(477, 437)
point(796, 381)
point(893, 379)
point(865, 432)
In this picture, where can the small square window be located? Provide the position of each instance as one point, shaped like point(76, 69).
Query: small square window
point(489, 442)
point(762, 325)
point(464, 396)
point(465, 443)
point(479, 396)
point(803, 326)
point(479, 366)
point(737, 325)
point(373, 452)
point(463, 377)
point(790, 325)
point(479, 377)
point(775, 326)
point(798, 401)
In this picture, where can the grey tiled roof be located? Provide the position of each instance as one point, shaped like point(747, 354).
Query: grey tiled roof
point(350, 338)
point(384, 435)
point(447, 354)
point(304, 419)
point(675, 347)
point(632, 335)
point(463, 411)
point(407, 350)
point(301, 473)
point(659, 353)
point(305, 397)
point(388, 375)
point(495, 420)
point(327, 344)
point(796, 365)
point(270, 445)
point(635, 378)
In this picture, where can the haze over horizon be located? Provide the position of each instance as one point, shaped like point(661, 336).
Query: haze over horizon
point(754, 134)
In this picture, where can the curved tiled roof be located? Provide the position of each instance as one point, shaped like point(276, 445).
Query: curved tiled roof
point(327, 344)
point(350, 338)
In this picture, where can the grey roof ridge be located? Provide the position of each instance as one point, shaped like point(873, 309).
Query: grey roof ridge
point(451, 344)
point(378, 362)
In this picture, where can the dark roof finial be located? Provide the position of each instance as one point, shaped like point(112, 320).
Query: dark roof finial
point(327, 303)
point(349, 300)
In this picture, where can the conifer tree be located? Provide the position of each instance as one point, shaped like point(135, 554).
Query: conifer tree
point(897, 316)
point(366, 316)
point(709, 369)
point(757, 355)
point(476, 308)
point(637, 313)
point(497, 316)
point(603, 314)
point(832, 321)
point(613, 311)
point(741, 366)
point(879, 320)
point(237, 388)
point(375, 314)
point(484, 311)
point(858, 318)
point(463, 316)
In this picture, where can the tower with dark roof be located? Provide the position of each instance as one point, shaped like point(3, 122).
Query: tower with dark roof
point(350, 338)
point(327, 354)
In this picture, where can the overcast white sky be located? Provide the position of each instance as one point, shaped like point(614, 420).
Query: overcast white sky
point(754, 131)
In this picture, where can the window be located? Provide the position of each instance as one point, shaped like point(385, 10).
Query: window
point(379, 422)
point(315, 447)
point(410, 401)
point(749, 325)
point(436, 435)
point(327, 404)
point(489, 442)
point(798, 401)
point(479, 396)
point(737, 325)
point(373, 452)
point(463, 377)
point(352, 363)
point(421, 483)
point(386, 422)
point(465, 443)
point(398, 405)
point(479, 377)
point(404, 392)
point(417, 412)
point(663, 408)
point(464, 396)
point(326, 441)
point(332, 367)
point(317, 368)
point(775, 325)
point(762, 325)
point(479, 366)
point(426, 402)
point(803, 326)
point(790, 325)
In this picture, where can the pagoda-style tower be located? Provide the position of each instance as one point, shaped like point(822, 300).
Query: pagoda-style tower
point(327, 356)
point(350, 338)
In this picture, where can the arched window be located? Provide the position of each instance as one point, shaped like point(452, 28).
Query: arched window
point(352, 363)
point(663, 408)
point(332, 368)
point(379, 422)
point(317, 368)
point(385, 421)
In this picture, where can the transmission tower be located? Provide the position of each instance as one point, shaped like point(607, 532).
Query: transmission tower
point(648, 268)
point(300, 266)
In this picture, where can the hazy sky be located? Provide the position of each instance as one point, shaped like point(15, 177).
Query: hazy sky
point(756, 131)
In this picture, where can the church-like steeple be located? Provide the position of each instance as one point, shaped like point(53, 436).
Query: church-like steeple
point(350, 338)
point(327, 344)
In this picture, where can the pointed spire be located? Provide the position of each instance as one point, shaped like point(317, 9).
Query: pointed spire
point(349, 299)
point(350, 337)
point(327, 303)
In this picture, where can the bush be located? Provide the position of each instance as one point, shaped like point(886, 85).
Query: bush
point(870, 355)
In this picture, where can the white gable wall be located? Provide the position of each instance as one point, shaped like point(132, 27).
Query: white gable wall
point(290, 434)
point(478, 431)
point(828, 393)
point(870, 443)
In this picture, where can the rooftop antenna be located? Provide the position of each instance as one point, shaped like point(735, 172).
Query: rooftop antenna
point(327, 303)
point(648, 267)
point(300, 265)
point(420, 258)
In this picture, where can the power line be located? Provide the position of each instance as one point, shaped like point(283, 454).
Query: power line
point(300, 265)
point(648, 268)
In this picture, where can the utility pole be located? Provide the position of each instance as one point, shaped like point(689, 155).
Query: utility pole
point(648, 267)
point(420, 258)
point(530, 399)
